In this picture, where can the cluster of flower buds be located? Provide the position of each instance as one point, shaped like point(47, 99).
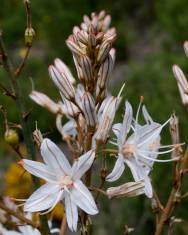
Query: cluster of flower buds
point(86, 103)
point(181, 79)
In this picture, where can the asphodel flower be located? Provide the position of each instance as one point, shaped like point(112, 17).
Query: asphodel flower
point(140, 150)
point(62, 183)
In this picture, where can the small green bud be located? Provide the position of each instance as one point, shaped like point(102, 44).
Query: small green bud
point(29, 35)
point(11, 137)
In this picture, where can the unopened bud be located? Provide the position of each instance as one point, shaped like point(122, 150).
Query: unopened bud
point(86, 66)
point(62, 82)
point(70, 109)
point(88, 106)
point(64, 70)
point(103, 51)
point(105, 71)
point(75, 48)
point(106, 23)
point(186, 48)
point(11, 137)
point(180, 77)
point(29, 35)
point(82, 36)
point(131, 189)
point(44, 101)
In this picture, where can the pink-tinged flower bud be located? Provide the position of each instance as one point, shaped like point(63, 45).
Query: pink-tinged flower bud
point(86, 20)
point(82, 36)
point(103, 51)
point(184, 97)
point(84, 27)
point(76, 30)
point(106, 23)
point(99, 37)
point(186, 48)
point(101, 15)
point(131, 189)
point(86, 67)
point(63, 84)
point(75, 48)
point(70, 109)
point(64, 70)
point(44, 101)
point(110, 37)
point(104, 72)
point(37, 136)
point(113, 54)
point(180, 77)
point(88, 107)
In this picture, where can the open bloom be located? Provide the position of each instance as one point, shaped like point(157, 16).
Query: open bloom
point(140, 150)
point(62, 183)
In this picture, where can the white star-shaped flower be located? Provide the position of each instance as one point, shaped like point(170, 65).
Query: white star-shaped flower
point(140, 150)
point(62, 183)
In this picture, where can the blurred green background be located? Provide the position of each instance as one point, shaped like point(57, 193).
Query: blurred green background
point(150, 38)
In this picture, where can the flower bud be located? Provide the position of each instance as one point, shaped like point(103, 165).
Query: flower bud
point(64, 70)
point(101, 15)
point(75, 48)
point(44, 101)
point(180, 77)
point(29, 35)
point(70, 109)
point(131, 189)
point(63, 84)
point(88, 107)
point(186, 48)
point(86, 67)
point(184, 97)
point(106, 23)
point(106, 118)
point(82, 36)
point(105, 71)
point(78, 68)
point(103, 51)
point(11, 137)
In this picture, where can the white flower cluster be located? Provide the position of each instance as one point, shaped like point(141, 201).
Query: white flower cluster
point(91, 110)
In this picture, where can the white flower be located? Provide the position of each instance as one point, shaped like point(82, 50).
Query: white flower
point(140, 149)
point(63, 182)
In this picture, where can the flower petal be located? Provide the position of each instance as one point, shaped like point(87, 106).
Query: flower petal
point(139, 173)
point(146, 115)
point(117, 171)
point(39, 169)
point(71, 212)
point(83, 198)
point(55, 158)
point(116, 129)
point(126, 125)
point(43, 198)
point(83, 164)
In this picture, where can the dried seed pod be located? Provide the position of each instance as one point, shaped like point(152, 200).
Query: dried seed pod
point(63, 84)
point(88, 107)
